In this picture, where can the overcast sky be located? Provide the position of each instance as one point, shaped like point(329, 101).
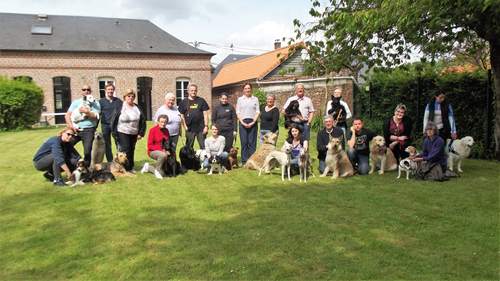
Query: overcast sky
point(245, 24)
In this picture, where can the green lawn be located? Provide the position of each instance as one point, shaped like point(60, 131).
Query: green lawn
point(240, 226)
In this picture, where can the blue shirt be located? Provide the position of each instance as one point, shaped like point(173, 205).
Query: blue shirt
point(60, 150)
point(94, 107)
point(108, 108)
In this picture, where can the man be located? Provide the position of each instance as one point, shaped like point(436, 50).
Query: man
point(333, 106)
point(323, 138)
point(305, 106)
point(358, 146)
point(109, 105)
point(194, 113)
point(90, 110)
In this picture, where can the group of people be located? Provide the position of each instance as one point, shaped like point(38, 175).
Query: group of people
point(124, 121)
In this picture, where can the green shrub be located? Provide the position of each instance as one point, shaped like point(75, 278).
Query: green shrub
point(20, 104)
point(261, 96)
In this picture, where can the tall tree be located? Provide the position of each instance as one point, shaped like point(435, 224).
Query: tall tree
point(346, 33)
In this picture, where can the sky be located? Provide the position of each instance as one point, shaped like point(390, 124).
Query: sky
point(250, 26)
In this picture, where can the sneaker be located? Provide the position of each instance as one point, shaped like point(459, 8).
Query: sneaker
point(158, 175)
point(132, 171)
point(59, 182)
point(145, 168)
point(49, 176)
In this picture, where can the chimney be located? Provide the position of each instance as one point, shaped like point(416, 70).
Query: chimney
point(277, 44)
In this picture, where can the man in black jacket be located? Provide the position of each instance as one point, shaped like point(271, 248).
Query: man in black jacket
point(109, 105)
point(323, 138)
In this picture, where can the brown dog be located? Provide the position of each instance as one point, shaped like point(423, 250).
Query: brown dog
point(256, 161)
point(336, 161)
point(117, 167)
point(232, 158)
point(381, 154)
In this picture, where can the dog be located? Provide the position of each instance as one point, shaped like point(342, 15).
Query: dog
point(381, 156)
point(407, 164)
point(232, 160)
point(305, 166)
point(292, 114)
point(80, 175)
point(337, 111)
point(170, 165)
point(76, 115)
point(459, 150)
point(216, 165)
point(100, 177)
point(281, 158)
point(188, 158)
point(257, 159)
point(336, 160)
point(117, 167)
point(98, 150)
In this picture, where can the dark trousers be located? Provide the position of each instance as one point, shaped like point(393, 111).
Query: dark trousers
point(200, 136)
point(248, 139)
point(359, 161)
point(47, 163)
point(444, 134)
point(399, 152)
point(127, 144)
point(106, 134)
point(173, 142)
point(228, 135)
point(87, 137)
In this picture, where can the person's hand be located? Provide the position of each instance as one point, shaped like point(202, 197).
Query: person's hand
point(418, 159)
point(167, 152)
point(139, 137)
point(393, 144)
point(393, 138)
point(454, 136)
point(205, 130)
point(84, 109)
point(352, 129)
point(234, 133)
point(402, 138)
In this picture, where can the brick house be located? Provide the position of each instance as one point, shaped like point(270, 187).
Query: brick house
point(62, 53)
point(276, 72)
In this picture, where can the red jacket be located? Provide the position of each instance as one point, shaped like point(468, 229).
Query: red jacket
point(156, 138)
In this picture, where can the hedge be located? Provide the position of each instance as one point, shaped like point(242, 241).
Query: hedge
point(20, 104)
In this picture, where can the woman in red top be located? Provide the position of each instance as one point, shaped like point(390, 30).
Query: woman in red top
point(397, 132)
point(158, 144)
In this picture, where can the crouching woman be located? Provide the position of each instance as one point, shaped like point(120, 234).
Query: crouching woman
point(214, 147)
point(56, 155)
point(159, 147)
point(432, 160)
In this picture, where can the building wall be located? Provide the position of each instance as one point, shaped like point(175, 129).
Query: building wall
point(87, 68)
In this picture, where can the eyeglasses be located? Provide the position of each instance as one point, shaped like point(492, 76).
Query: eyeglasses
point(70, 134)
point(86, 89)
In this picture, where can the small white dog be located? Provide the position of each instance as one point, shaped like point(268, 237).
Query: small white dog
point(408, 165)
point(459, 150)
point(216, 166)
point(281, 158)
point(201, 155)
point(80, 174)
point(76, 115)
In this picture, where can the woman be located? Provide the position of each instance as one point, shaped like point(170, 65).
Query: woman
point(397, 132)
point(297, 142)
point(440, 112)
point(224, 117)
point(158, 147)
point(214, 147)
point(248, 111)
point(130, 126)
point(174, 118)
point(57, 154)
point(269, 118)
point(432, 160)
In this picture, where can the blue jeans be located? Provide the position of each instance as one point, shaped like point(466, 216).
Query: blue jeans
point(306, 131)
point(248, 139)
point(359, 160)
point(321, 166)
point(223, 157)
point(200, 136)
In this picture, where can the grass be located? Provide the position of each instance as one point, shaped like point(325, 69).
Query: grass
point(240, 226)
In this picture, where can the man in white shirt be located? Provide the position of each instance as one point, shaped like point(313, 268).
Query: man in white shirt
point(305, 106)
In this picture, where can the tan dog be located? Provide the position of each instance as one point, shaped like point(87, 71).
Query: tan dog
point(98, 149)
point(336, 160)
point(256, 161)
point(117, 167)
point(382, 156)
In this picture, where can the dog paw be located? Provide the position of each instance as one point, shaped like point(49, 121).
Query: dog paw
point(460, 171)
point(381, 172)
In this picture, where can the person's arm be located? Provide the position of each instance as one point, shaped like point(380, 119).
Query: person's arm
point(207, 149)
point(347, 110)
point(426, 117)
point(310, 115)
point(257, 112)
point(328, 107)
point(67, 117)
point(150, 140)
point(222, 144)
point(305, 145)
point(234, 117)
point(142, 124)
point(58, 155)
point(433, 154)
point(451, 119)
point(352, 140)
point(275, 119)
point(285, 106)
point(205, 121)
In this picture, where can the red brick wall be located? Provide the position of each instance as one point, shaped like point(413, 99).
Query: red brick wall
point(87, 68)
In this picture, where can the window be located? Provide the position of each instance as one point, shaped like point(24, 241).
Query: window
point(103, 81)
point(23, 78)
point(144, 88)
point(181, 85)
point(41, 29)
point(62, 96)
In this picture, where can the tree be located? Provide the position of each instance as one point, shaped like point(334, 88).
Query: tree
point(386, 32)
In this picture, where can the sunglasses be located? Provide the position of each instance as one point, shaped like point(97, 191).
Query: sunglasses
point(70, 134)
point(85, 89)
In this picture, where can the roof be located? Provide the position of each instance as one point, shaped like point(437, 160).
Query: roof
point(89, 34)
point(229, 59)
point(256, 67)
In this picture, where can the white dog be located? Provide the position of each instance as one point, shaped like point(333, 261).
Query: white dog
point(80, 174)
point(407, 164)
point(201, 155)
point(283, 158)
point(459, 150)
point(76, 115)
point(305, 165)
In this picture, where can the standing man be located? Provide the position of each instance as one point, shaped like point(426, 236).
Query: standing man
point(109, 105)
point(305, 106)
point(323, 138)
point(248, 111)
point(359, 149)
point(85, 127)
point(194, 113)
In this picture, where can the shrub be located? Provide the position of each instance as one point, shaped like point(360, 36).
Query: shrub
point(20, 104)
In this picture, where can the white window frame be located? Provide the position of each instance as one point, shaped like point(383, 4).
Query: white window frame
point(184, 86)
point(107, 80)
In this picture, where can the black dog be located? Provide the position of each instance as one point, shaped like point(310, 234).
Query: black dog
point(102, 176)
point(189, 161)
point(338, 111)
point(292, 114)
